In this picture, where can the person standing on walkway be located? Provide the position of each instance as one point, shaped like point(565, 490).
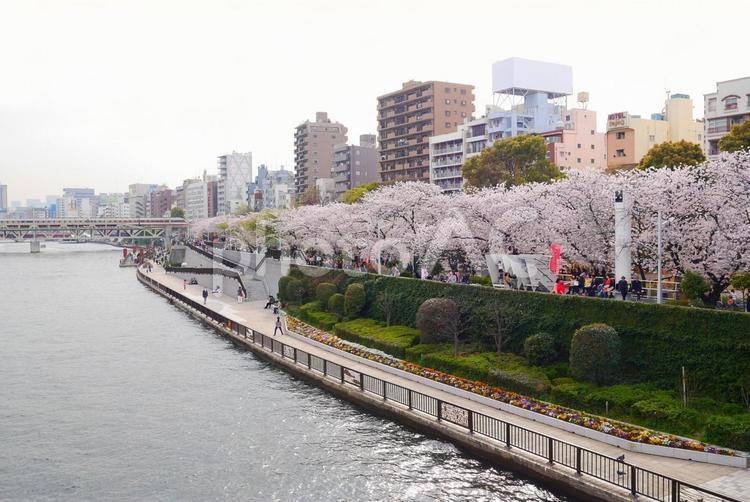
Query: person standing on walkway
point(205, 295)
point(278, 326)
point(622, 287)
point(184, 284)
point(636, 288)
point(239, 294)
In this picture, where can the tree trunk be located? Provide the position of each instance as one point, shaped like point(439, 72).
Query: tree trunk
point(714, 294)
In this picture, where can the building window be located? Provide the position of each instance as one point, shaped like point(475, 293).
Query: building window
point(620, 153)
point(463, 91)
point(730, 102)
point(620, 135)
point(592, 132)
point(448, 125)
point(463, 114)
point(578, 160)
point(578, 146)
point(447, 101)
point(447, 113)
point(711, 104)
point(651, 138)
point(592, 147)
point(592, 161)
point(463, 102)
point(447, 90)
point(717, 125)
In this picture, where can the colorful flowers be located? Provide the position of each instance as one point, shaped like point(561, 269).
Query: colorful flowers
point(614, 428)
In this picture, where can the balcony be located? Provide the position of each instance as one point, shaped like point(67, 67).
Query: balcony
point(450, 149)
point(454, 161)
point(446, 173)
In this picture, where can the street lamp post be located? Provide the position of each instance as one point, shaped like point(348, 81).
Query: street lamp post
point(658, 257)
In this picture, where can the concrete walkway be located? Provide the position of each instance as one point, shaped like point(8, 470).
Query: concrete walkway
point(734, 482)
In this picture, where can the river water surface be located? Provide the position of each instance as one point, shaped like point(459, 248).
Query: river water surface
point(107, 392)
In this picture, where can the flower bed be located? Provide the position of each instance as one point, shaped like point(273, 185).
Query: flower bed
point(612, 427)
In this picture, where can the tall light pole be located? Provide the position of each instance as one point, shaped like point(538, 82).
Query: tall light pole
point(658, 257)
point(623, 265)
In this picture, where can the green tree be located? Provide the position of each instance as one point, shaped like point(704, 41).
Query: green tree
point(737, 139)
point(595, 353)
point(336, 304)
point(513, 161)
point(355, 194)
point(310, 197)
point(354, 300)
point(241, 210)
point(741, 281)
point(177, 212)
point(540, 348)
point(694, 286)
point(324, 291)
point(673, 154)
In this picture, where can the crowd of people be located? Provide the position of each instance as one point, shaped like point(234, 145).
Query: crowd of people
point(600, 287)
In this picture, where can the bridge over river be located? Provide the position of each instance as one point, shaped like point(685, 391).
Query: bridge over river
point(100, 229)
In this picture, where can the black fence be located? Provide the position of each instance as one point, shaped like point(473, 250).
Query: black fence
point(628, 477)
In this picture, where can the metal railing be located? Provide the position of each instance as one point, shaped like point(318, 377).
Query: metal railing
point(584, 462)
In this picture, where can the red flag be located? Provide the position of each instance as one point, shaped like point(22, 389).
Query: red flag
point(554, 261)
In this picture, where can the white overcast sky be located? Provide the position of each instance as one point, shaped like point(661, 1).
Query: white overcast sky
point(106, 93)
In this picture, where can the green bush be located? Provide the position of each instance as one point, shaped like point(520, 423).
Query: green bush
point(336, 304)
point(730, 431)
point(669, 412)
point(657, 340)
point(540, 349)
point(324, 291)
point(595, 354)
point(354, 300)
point(693, 285)
point(481, 280)
point(283, 283)
point(434, 318)
point(393, 340)
point(312, 313)
point(294, 291)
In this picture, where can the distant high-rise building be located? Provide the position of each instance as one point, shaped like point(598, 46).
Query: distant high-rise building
point(196, 199)
point(235, 172)
point(161, 202)
point(212, 192)
point(77, 203)
point(139, 198)
point(727, 107)
point(313, 149)
point(408, 117)
point(3, 197)
point(270, 189)
point(355, 165)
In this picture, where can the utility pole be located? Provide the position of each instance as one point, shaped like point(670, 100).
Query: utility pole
point(658, 257)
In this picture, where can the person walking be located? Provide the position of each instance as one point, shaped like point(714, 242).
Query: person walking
point(239, 294)
point(205, 295)
point(622, 287)
point(636, 288)
point(184, 284)
point(278, 326)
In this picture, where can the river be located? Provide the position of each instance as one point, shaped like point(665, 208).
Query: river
point(107, 392)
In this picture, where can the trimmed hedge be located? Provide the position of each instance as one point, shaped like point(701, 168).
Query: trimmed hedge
point(295, 291)
point(283, 283)
point(508, 371)
point(392, 340)
point(657, 340)
point(354, 300)
point(336, 304)
point(324, 291)
point(540, 349)
point(312, 313)
point(730, 431)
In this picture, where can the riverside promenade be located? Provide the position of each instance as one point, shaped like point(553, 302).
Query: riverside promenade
point(729, 481)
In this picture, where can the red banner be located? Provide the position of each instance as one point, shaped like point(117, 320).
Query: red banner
point(554, 261)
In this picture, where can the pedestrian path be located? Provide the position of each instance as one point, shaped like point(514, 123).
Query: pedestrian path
point(729, 480)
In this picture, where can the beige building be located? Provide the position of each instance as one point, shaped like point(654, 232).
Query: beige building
point(408, 117)
point(630, 137)
point(727, 107)
point(313, 150)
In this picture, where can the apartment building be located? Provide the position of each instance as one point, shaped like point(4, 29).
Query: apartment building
point(235, 172)
point(271, 189)
point(313, 149)
point(196, 198)
point(161, 202)
point(723, 109)
point(355, 165)
point(576, 144)
point(408, 117)
point(630, 137)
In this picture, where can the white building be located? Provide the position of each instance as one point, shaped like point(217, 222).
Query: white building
point(727, 107)
point(139, 198)
point(3, 197)
point(196, 199)
point(235, 173)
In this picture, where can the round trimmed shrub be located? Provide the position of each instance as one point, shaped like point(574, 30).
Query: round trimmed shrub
point(294, 291)
point(336, 304)
point(434, 318)
point(324, 291)
point(283, 283)
point(354, 300)
point(595, 354)
point(539, 349)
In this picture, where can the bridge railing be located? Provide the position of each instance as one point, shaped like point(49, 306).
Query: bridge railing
point(617, 474)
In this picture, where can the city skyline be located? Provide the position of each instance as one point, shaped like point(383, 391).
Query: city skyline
point(88, 104)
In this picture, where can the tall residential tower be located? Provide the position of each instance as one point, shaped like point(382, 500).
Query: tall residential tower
point(313, 150)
